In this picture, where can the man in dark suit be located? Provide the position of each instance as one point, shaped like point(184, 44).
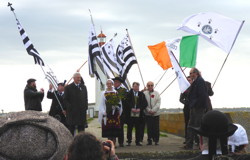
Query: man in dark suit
point(198, 103)
point(136, 103)
point(122, 92)
point(57, 108)
point(32, 97)
point(76, 102)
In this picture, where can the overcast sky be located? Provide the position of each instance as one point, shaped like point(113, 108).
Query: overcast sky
point(59, 31)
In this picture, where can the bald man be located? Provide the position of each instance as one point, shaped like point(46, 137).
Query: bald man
point(152, 113)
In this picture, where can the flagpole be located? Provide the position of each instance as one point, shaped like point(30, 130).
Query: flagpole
point(54, 91)
point(160, 78)
point(77, 71)
point(12, 9)
point(168, 86)
point(227, 55)
point(97, 60)
point(136, 58)
point(220, 70)
point(172, 82)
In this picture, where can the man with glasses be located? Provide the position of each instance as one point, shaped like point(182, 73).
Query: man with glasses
point(198, 103)
point(152, 113)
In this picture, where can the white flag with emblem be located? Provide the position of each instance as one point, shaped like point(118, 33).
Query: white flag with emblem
point(182, 80)
point(217, 29)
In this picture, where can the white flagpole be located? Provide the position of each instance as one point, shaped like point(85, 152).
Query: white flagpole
point(136, 58)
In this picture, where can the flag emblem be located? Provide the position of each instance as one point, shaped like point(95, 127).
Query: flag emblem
point(207, 29)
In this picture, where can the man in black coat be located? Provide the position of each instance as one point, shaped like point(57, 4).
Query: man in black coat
point(76, 102)
point(32, 97)
point(122, 92)
point(136, 103)
point(57, 108)
point(198, 104)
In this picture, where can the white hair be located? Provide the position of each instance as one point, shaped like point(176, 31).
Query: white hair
point(76, 74)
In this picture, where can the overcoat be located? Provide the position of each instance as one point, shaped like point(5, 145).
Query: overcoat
point(32, 99)
point(76, 102)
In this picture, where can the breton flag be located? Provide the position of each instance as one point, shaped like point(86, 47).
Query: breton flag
point(109, 59)
point(94, 54)
point(217, 29)
point(29, 46)
point(160, 54)
point(166, 59)
point(125, 57)
point(185, 48)
point(50, 76)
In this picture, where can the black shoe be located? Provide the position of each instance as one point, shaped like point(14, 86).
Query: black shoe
point(128, 144)
point(138, 144)
point(121, 145)
point(156, 143)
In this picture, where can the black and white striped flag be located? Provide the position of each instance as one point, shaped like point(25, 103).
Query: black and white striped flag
point(50, 76)
point(109, 59)
point(125, 57)
point(29, 46)
point(94, 54)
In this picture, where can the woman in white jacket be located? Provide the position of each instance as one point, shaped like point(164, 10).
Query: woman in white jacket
point(110, 110)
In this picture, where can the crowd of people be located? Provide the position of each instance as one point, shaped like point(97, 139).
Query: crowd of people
point(138, 108)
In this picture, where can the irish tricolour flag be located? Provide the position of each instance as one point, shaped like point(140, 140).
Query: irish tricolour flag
point(185, 49)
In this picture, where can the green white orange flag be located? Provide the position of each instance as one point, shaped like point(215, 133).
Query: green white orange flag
point(167, 60)
point(160, 54)
point(185, 48)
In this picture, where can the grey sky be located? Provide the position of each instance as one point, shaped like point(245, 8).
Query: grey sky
point(59, 30)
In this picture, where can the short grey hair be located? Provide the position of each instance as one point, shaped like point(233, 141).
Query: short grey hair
point(76, 74)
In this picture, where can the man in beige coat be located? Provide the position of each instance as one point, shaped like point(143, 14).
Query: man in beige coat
point(152, 113)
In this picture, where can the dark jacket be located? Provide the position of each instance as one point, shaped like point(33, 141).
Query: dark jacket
point(210, 93)
point(184, 97)
point(32, 99)
point(76, 102)
point(142, 103)
point(55, 108)
point(198, 96)
point(122, 92)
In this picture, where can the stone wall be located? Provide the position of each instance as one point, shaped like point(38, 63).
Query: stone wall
point(174, 122)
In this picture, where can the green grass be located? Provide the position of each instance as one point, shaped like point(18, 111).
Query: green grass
point(90, 119)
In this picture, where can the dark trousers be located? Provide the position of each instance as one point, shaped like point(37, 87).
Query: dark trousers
point(134, 122)
point(194, 121)
point(142, 126)
point(72, 128)
point(186, 112)
point(153, 128)
point(121, 137)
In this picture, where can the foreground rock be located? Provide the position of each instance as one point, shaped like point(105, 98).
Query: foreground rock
point(31, 135)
